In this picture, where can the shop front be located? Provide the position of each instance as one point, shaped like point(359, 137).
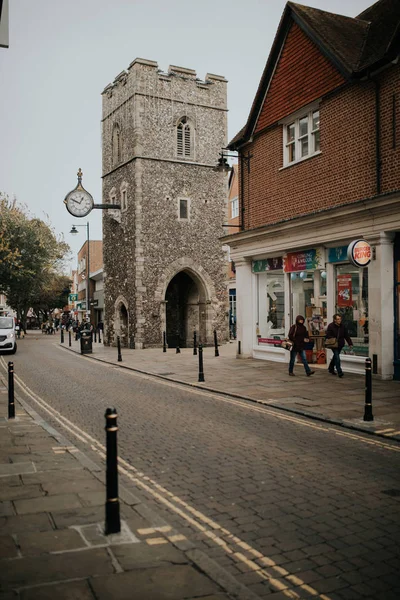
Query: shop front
point(315, 283)
point(349, 298)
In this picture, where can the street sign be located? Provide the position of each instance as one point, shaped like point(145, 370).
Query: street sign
point(73, 298)
point(94, 303)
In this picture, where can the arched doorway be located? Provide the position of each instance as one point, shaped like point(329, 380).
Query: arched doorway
point(121, 323)
point(185, 310)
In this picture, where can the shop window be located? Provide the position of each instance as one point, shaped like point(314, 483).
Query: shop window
point(270, 307)
point(351, 301)
point(302, 293)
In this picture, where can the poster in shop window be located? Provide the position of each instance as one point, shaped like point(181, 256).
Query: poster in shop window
point(344, 291)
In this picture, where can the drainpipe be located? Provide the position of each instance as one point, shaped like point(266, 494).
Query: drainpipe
point(241, 184)
point(378, 161)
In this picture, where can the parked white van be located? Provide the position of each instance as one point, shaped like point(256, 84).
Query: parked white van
point(7, 335)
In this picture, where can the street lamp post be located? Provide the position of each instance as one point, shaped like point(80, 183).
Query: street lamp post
point(74, 231)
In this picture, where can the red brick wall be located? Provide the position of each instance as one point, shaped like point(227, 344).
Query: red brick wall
point(344, 171)
point(233, 193)
point(302, 75)
point(390, 85)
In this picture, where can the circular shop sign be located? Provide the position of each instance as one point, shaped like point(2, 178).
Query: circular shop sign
point(359, 253)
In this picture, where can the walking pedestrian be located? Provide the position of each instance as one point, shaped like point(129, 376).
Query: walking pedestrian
point(298, 334)
point(337, 330)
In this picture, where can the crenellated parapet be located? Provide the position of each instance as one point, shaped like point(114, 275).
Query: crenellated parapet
point(143, 77)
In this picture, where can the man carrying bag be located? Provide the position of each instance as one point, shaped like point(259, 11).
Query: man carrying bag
point(336, 334)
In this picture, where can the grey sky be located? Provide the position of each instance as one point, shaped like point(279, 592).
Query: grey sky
point(63, 54)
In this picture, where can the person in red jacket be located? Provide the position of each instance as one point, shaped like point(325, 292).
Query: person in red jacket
point(299, 336)
point(337, 330)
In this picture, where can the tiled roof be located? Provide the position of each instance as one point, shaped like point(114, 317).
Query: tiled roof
point(343, 37)
point(354, 45)
point(384, 31)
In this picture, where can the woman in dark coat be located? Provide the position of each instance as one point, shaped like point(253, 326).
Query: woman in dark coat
point(299, 336)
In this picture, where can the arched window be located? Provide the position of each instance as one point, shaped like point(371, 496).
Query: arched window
point(184, 138)
point(116, 144)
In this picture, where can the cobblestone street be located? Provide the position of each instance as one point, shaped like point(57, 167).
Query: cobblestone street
point(289, 506)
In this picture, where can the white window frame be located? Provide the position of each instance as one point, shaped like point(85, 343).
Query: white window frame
point(188, 209)
point(294, 119)
point(124, 197)
point(235, 207)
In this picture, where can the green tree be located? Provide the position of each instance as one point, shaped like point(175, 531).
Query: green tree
point(31, 255)
point(53, 294)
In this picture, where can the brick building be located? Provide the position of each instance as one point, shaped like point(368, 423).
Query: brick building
point(164, 265)
point(96, 266)
point(233, 222)
point(322, 153)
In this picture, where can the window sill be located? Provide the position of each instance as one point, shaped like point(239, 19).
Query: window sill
point(292, 164)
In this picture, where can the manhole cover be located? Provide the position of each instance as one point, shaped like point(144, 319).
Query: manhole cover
point(394, 493)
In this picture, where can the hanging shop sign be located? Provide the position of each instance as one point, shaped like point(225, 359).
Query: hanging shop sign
point(344, 291)
point(267, 264)
point(307, 260)
point(359, 253)
point(338, 254)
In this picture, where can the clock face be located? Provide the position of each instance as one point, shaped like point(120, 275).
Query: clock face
point(79, 203)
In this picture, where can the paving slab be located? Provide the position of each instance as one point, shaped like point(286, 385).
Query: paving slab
point(143, 556)
point(37, 522)
point(173, 583)
point(77, 485)
point(36, 543)
point(81, 516)
point(16, 468)
point(47, 504)
point(8, 547)
point(31, 570)
point(73, 590)
point(67, 477)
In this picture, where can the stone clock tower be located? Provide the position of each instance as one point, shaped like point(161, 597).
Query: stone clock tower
point(164, 266)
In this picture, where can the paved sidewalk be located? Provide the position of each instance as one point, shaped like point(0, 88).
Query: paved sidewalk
point(52, 544)
point(322, 396)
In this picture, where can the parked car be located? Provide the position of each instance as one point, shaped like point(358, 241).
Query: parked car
point(8, 335)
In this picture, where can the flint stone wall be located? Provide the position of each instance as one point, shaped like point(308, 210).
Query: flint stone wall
point(147, 244)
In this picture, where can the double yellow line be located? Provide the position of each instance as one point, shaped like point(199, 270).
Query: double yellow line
point(278, 577)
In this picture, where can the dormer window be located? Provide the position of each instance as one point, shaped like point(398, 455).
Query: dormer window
point(301, 137)
point(184, 138)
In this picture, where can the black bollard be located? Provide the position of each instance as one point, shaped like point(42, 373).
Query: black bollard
point(164, 348)
point(194, 344)
point(216, 343)
point(113, 523)
point(99, 336)
point(62, 335)
point(239, 347)
point(132, 342)
point(69, 339)
point(178, 350)
point(11, 405)
point(95, 335)
point(368, 416)
point(119, 349)
point(201, 370)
